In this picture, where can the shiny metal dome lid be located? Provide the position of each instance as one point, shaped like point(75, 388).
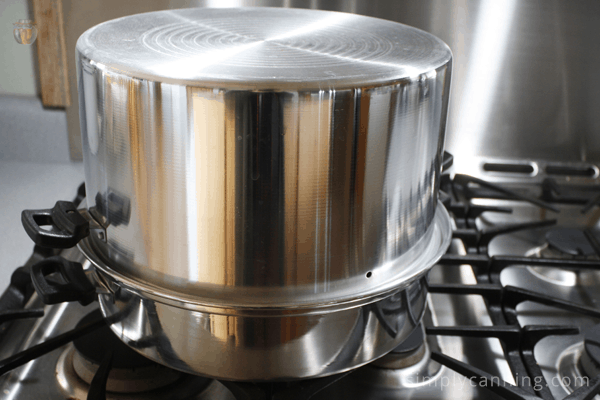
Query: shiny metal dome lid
point(262, 48)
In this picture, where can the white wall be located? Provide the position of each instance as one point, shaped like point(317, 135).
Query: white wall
point(17, 68)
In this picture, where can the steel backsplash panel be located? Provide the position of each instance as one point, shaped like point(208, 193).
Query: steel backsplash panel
point(524, 83)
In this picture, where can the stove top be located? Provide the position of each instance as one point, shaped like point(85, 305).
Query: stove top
point(512, 314)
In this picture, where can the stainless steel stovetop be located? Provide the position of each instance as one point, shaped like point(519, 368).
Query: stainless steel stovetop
point(489, 314)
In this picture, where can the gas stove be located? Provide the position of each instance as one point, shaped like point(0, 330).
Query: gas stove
point(512, 311)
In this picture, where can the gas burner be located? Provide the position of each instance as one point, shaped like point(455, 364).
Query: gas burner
point(130, 372)
point(407, 366)
point(131, 376)
point(590, 357)
point(570, 241)
point(564, 243)
point(407, 354)
point(567, 243)
point(580, 363)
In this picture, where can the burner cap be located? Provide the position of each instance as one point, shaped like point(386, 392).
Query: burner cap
point(589, 360)
point(591, 341)
point(570, 241)
point(94, 346)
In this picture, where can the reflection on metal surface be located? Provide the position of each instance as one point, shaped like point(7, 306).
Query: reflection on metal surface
point(491, 36)
point(555, 275)
point(421, 373)
point(540, 91)
point(403, 371)
point(260, 347)
point(563, 243)
point(570, 373)
point(25, 31)
point(304, 169)
point(73, 386)
point(426, 379)
point(241, 341)
point(541, 97)
point(415, 263)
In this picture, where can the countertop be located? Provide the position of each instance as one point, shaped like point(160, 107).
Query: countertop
point(29, 185)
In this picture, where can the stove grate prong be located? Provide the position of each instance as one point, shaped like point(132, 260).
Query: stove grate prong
point(507, 333)
point(496, 385)
point(586, 392)
point(477, 241)
point(591, 204)
point(97, 389)
point(462, 181)
point(510, 334)
point(473, 211)
point(466, 214)
point(11, 315)
point(488, 234)
point(297, 390)
point(498, 263)
point(550, 188)
point(509, 297)
point(47, 346)
point(245, 390)
point(516, 295)
point(480, 263)
point(592, 240)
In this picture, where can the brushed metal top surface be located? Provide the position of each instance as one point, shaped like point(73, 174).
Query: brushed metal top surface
point(263, 48)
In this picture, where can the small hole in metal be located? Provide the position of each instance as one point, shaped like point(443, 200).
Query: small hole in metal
point(369, 274)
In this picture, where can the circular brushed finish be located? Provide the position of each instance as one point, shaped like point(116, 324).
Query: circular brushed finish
point(262, 48)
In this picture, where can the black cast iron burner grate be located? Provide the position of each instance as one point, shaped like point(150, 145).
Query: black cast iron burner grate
point(517, 341)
